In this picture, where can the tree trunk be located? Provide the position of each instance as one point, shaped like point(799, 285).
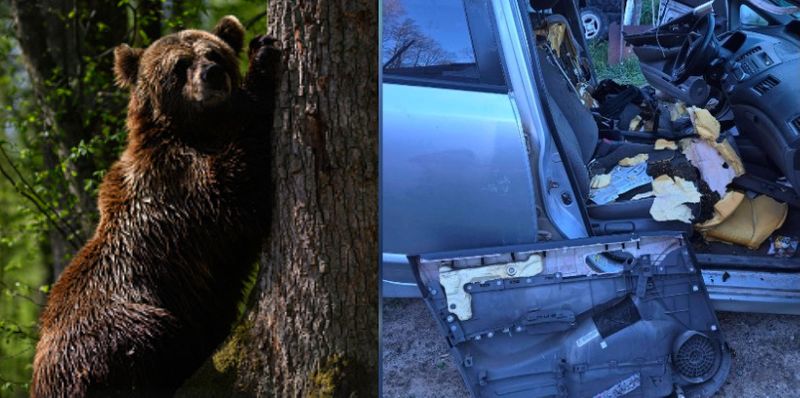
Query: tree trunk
point(312, 329)
point(637, 12)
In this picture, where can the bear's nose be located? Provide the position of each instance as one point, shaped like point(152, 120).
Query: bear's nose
point(214, 75)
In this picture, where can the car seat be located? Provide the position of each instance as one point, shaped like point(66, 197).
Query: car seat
point(578, 140)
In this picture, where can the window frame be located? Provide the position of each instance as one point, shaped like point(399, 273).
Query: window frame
point(735, 22)
point(754, 12)
point(485, 47)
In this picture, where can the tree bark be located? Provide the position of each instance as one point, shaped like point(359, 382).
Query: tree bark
point(313, 327)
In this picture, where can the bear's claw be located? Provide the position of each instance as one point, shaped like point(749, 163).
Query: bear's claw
point(265, 57)
point(262, 47)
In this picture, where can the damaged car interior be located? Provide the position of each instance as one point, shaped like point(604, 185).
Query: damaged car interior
point(692, 177)
point(708, 147)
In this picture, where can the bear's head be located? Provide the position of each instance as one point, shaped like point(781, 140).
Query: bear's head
point(183, 74)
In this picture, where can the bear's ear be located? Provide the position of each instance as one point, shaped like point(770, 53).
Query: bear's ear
point(231, 31)
point(126, 65)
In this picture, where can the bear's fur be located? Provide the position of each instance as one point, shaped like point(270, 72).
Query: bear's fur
point(182, 217)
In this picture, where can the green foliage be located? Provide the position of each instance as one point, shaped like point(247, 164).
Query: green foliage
point(23, 268)
point(649, 9)
point(250, 14)
point(44, 174)
point(626, 72)
point(22, 274)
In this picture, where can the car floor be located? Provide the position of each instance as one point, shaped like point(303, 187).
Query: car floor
point(790, 227)
point(416, 362)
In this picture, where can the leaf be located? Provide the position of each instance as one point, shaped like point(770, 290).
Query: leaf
point(12, 266)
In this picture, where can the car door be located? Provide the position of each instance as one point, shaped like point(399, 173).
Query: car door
point(455, 170)
point(606, 316)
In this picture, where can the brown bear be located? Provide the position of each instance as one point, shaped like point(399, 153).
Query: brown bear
point(183, 214)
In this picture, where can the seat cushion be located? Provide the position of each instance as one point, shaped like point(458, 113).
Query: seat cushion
point(670, 162)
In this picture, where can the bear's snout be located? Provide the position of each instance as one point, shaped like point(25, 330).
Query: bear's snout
point(209, 84)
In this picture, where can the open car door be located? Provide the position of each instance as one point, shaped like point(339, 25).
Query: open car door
point(607, 316)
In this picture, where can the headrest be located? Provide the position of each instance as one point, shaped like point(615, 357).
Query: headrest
point(543, 4)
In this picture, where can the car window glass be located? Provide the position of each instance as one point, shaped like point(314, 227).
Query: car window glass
point(427, 39)
point(747, 16)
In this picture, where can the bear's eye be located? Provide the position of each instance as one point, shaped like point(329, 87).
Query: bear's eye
point(214, 56)
point(181, 66)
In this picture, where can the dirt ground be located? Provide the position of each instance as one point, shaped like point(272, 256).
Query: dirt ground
point(416, 363)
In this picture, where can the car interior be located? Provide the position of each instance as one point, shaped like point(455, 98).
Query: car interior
point(716, 90)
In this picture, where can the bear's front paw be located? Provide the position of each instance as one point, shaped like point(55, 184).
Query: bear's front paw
point(263, 50)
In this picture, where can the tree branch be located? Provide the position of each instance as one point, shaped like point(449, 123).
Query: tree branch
point(39, 207)
point(252, 21)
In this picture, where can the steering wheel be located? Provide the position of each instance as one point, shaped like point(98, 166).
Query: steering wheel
point(697, 50)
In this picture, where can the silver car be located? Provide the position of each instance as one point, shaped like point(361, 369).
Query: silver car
point(479, 148)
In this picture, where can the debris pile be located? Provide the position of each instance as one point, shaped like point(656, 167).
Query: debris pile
point(679, 157)
point(606, 188)
point(690, 169)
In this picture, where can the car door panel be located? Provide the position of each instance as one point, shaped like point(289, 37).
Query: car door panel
point(455, 172)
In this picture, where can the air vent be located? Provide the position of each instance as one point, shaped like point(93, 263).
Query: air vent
point(748, 53)
point(767, 84)
point(796, 124)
